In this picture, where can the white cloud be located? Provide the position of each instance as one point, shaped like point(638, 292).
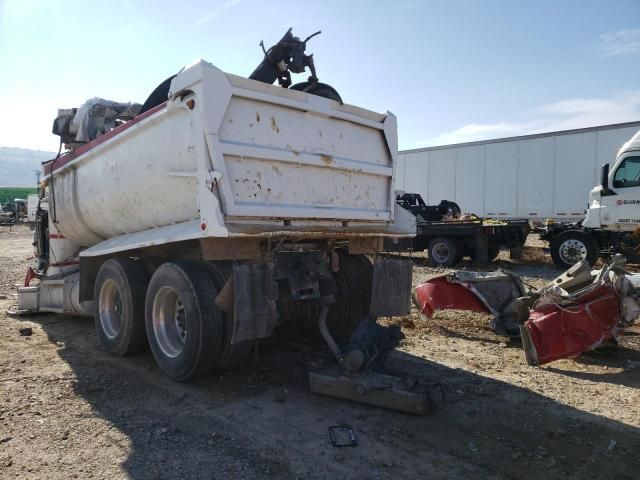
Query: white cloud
point(563, 115)
point(473, 132)
point(622, 42)
point(218, 11)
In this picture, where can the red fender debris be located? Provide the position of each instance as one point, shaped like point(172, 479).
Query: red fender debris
point(440, 294)
point(484, 292)
point(576, 312)
point(553, 332)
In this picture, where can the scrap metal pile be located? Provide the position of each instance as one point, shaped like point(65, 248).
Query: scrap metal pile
point(77, 126)
point(578, 311)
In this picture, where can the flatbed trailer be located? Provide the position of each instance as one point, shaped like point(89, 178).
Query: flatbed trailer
point(448, 241)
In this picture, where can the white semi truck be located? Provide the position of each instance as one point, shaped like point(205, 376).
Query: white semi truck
point(612, 221)
point(228, 209)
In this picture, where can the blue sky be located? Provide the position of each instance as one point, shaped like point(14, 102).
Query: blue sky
point(452, 71)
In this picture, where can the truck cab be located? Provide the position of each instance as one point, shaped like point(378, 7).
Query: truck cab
point(612, 218)
point(613, 205)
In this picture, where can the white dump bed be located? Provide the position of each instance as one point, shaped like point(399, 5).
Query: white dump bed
point(229, 156)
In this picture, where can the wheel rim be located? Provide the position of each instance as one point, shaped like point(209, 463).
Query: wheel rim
point(440, 252)
point(572, 251)
point(110, 308)
point(169, 322)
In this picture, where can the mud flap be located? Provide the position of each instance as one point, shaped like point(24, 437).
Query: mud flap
point(391, 289)
point(255, 296)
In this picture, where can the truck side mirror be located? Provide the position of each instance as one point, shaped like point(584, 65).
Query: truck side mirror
point(604, 176)
point(604, 180)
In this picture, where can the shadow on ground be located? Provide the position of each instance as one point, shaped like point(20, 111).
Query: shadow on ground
point(260, 422)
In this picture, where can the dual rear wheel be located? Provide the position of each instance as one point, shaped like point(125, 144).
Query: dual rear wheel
point(352, 299)
point(173, 312)
point(119, 296)
point(184, 326)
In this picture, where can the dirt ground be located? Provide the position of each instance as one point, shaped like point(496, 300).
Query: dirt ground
point(69, 410)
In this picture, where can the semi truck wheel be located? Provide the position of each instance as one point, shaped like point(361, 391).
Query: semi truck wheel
point(358, 273)
point(573, 246)
point(353, 296)
point(320, 89)
point(366, 282)
point(184, 326)
point(158, 96)
point(119, 294)
point(443, 252)
point(231, 354)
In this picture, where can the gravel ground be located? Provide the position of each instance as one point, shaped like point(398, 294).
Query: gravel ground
point(69, 410)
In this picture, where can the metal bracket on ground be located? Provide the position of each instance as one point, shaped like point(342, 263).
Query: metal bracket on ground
point(375, 389)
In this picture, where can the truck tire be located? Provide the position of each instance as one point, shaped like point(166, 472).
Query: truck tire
point(119, 294)
point(320, 89)
point(367, 279)
point(159, 95)
point(443, 252)
point(232, 354)
point(572, 246)
point(184, 326)
point(449, 209)
point(353, 297)
point(358, 272)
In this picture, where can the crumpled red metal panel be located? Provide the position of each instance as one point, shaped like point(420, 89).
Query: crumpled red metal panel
point(553, 332)
point(439, 294)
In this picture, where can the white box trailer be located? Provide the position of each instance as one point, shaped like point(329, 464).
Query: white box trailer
point(547, 175)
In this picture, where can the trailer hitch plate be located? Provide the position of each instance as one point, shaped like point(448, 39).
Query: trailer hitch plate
point(375, 389)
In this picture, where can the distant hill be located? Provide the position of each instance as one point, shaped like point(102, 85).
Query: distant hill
point(18, 166)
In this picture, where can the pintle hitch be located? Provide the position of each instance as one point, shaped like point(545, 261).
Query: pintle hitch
point(358, 375)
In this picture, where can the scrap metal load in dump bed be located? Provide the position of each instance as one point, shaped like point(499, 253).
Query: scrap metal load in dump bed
point(228, 208)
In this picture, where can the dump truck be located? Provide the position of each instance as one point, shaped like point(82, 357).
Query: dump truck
point(228, 209)
point(611, 224)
